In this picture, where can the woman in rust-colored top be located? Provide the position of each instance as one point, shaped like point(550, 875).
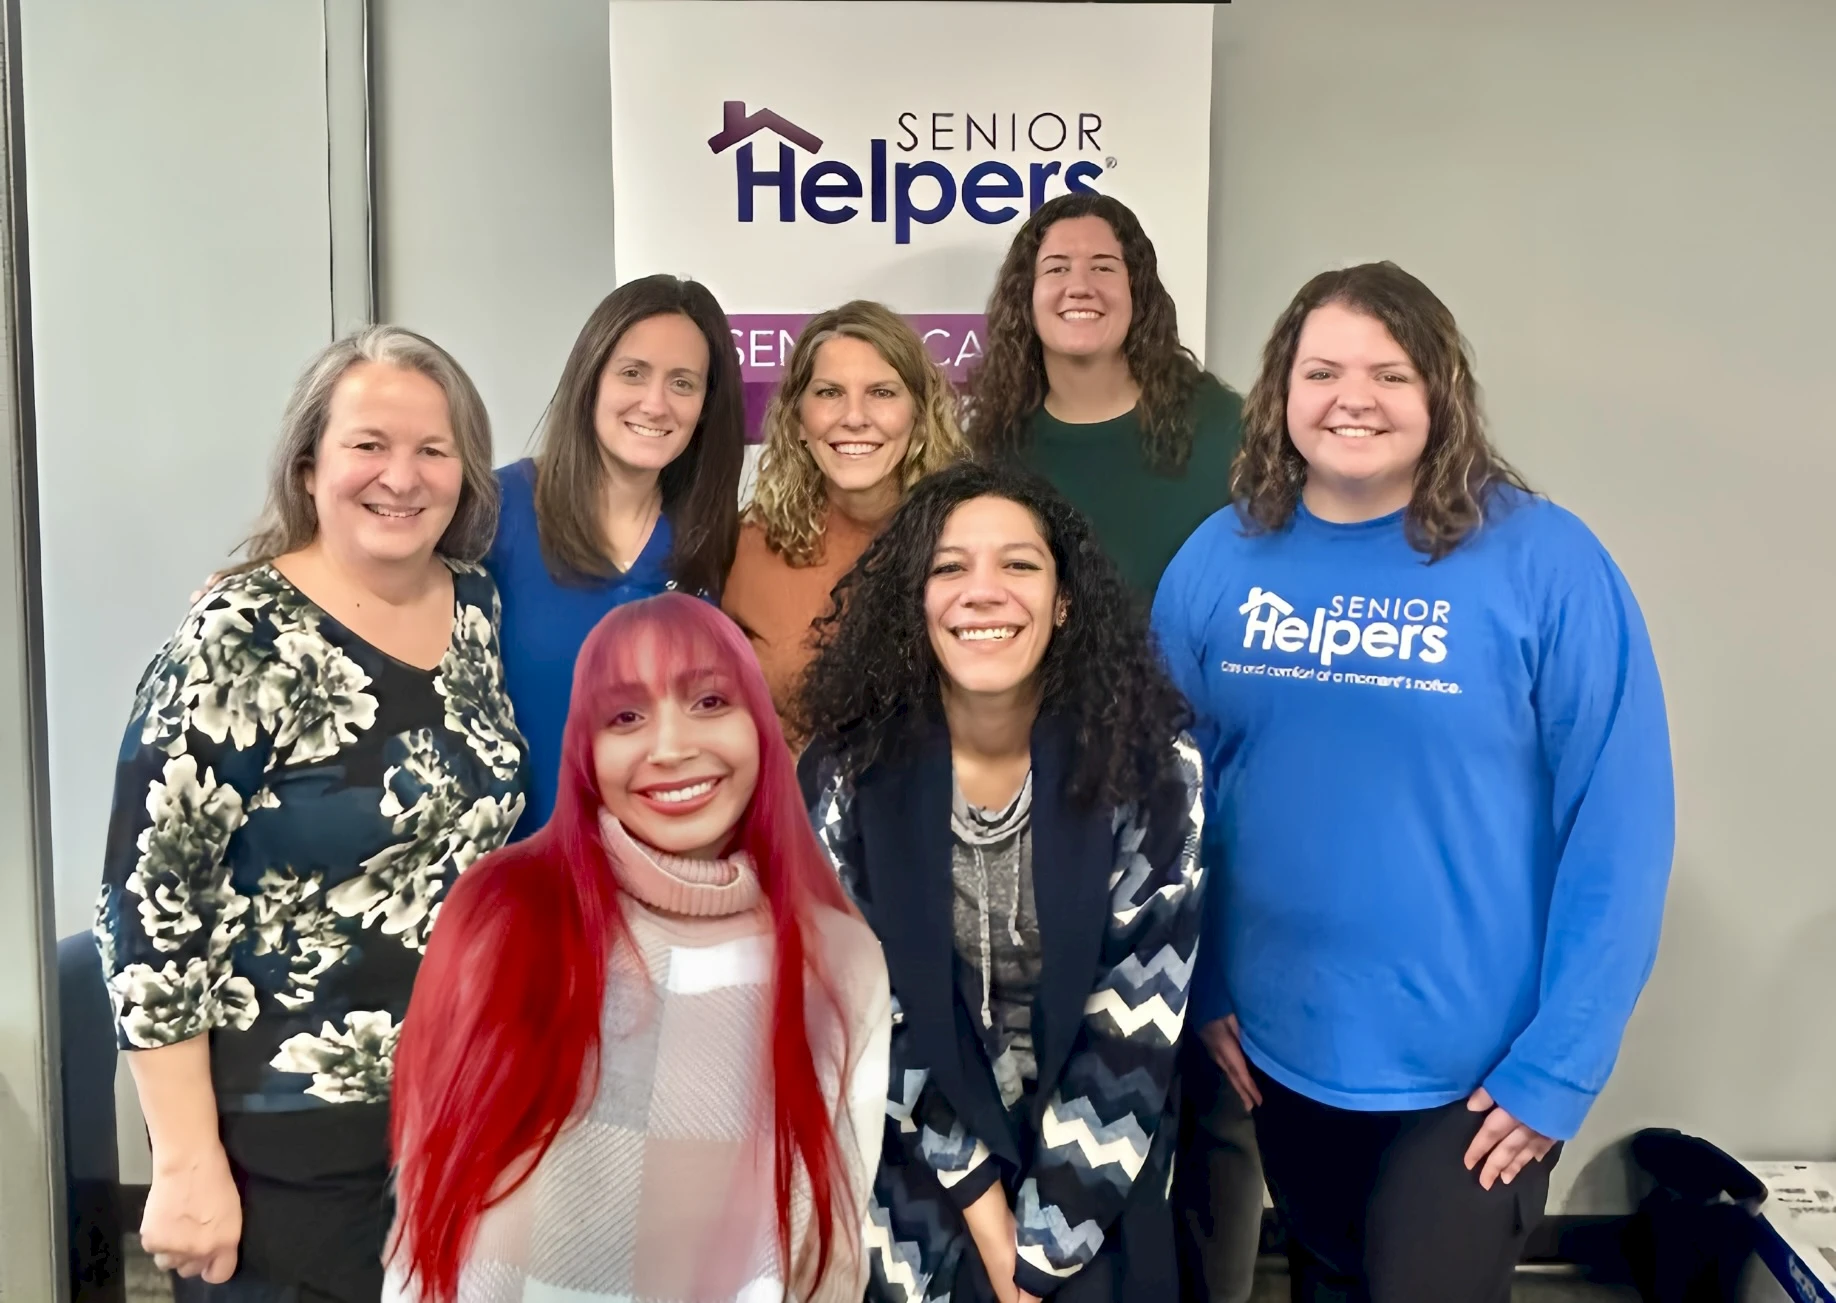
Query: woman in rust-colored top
point(862, 414)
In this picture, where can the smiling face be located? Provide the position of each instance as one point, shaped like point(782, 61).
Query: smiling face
point(650, 393)
point(1081, 303)
point(386, 475)
point(1357, 414)
point(678, 758)
point(991, 602)
point(856, 417)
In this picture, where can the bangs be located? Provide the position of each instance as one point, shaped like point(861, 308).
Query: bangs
point(647, 648)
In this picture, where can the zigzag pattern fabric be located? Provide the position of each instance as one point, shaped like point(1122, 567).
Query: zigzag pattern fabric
point(1099, 1121)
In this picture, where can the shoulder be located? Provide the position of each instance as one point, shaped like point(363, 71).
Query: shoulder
point(1215, 404)
point(753, 556)
point(517, 480)
point(1540, 536)
point(1218, 540)
point(475, 592)
point(849, 947)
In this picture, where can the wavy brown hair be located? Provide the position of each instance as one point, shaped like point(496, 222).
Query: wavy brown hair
point(1010, 383)
point(1459, 468)
point(700, 487)
point(791, 495)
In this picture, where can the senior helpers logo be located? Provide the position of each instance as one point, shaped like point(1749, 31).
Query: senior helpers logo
point(1052, 153)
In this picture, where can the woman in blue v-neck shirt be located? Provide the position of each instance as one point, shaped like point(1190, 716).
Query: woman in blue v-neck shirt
point(632, 491)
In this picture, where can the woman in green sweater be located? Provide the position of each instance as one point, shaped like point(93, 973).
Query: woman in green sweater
point(1085, 382)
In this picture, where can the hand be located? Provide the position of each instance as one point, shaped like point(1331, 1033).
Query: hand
point(1223, 1040)
point(193, 1220)
point(1504, 1144)
point(991, 1226)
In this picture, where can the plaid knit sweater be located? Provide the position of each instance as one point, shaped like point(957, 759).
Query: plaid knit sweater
point(661, 1188)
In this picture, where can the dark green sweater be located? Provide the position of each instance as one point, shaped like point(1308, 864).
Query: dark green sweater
point(1141, 516)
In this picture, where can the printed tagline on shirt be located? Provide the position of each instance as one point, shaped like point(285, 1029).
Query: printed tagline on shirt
point(1304, 673)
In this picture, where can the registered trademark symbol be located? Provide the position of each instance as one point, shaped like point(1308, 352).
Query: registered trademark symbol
point(1110, 163)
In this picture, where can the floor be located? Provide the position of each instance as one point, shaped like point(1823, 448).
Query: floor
point(145, 1285)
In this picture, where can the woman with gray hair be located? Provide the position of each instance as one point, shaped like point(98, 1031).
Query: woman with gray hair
point(311, 760)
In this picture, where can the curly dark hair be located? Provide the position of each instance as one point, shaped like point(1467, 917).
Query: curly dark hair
point(1459, 468)
point(1009, 384)
point(873, 690)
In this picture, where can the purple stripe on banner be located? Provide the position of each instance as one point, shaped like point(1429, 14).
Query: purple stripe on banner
point(763, 342)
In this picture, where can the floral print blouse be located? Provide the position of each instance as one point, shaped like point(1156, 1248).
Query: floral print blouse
point(291, 804)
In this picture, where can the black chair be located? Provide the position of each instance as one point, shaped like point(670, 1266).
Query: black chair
point(92, 1165)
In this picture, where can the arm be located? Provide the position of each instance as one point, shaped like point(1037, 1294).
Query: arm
point(1100, 1119)
point(1181, 610)
point(168, 919)
point(193, 1218)
point(1600, 710)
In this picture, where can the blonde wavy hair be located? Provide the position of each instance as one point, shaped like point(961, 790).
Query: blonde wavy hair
point(791, 496)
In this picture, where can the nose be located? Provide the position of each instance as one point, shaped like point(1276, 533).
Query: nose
point(402, 471)
point(1353, 396)
point(656, 397)
point(674, 742)
point(984, 588)
point(1077, 284)
point(855, 417)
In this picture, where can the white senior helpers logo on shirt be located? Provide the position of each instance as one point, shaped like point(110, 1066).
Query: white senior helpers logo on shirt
point(1411, 629)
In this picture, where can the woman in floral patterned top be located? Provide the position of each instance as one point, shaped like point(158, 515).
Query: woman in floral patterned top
point(318, 752)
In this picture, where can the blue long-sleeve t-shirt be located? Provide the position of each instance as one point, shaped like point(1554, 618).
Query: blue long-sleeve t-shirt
point(1440, 800)
point(545, 620)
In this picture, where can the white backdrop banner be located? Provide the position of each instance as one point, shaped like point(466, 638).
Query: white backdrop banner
point(793, 156)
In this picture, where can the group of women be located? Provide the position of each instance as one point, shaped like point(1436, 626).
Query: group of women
point(938, 881)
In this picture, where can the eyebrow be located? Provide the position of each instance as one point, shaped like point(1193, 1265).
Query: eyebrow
point(640, 362)
point(890, 378)
point(1404, 364)
point(1026, 544)
point(1109, 257)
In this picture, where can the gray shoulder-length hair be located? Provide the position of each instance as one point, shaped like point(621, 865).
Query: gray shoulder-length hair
point(289, 521)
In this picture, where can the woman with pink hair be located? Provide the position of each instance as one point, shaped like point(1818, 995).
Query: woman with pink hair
point(647, 1053)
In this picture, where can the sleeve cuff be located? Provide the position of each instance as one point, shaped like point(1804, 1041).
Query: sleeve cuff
point(1035, 1281)
point(974, 1184)
point(1538, 1100)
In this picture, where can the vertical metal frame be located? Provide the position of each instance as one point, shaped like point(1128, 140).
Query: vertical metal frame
point(21, 1278)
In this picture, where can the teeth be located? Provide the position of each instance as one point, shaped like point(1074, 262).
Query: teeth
point(648, 431)
point(684, 793)
point(986, 635)
point(394, 513)
point(855, 449)
point(1080, 314)
point(1353, 431)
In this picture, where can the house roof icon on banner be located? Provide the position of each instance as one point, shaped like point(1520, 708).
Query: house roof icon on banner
point(737, 125)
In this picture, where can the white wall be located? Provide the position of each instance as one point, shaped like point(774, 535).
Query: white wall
point(180, 262)
point(1627, 206)
point(180, 272)
point(494, 179)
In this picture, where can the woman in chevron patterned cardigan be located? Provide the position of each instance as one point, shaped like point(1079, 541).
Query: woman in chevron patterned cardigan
point(998, 771)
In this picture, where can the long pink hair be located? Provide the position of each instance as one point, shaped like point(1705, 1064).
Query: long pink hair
point(501, 1042)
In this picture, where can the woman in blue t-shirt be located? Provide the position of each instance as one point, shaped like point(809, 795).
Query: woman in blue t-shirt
point(633, 490)
point(1438, 775)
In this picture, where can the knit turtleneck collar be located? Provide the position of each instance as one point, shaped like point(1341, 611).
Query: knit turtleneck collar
point(671, 884)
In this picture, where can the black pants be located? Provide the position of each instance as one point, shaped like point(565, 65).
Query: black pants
point(1380, 1208)
point(1217, 1185)
point(315, 1206)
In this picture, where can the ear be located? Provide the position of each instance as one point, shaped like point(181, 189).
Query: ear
point(1064, 612)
